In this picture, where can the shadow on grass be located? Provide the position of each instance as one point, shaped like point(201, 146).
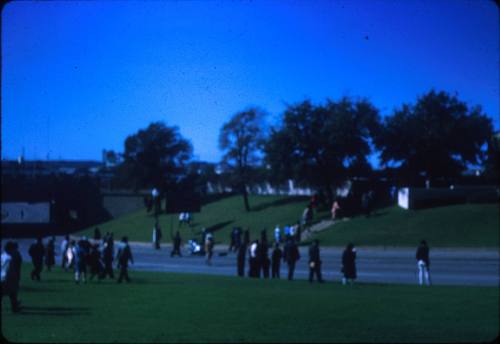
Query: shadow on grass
point(55, 311)
point(23, 289)
point(378, 214)
point(144, 281)
point(278, 203)
point(219, 225)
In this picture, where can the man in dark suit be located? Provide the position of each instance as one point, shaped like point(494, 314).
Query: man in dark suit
point(291, 256)
point(314, 262)
point(37, 252)
point(123, 256)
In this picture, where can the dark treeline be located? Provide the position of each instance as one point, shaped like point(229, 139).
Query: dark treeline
point(322, 146)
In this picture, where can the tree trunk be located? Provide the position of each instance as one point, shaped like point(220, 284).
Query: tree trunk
point(329, 194)
point(245, 197)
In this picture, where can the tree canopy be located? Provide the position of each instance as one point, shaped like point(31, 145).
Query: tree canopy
point(241, 140)
point(437, 137)
point(155, 156)
point(322, 145)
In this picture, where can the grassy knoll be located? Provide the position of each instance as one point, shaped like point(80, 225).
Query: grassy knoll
point(164, 307)
point(465, 225)
point(222, 215)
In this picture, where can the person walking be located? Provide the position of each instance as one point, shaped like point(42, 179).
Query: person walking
point(176, 250)
point(423, 263)
point(291, 256)
point(123, 257)
point(315, 262)
point(349, 264)
point(37, 252)
point(80, 257)
point(64, 249)
point(209, 247)
point(276, 261)
point(10, 274)
point(95, 264)
point(50, 256)
point(335, 209)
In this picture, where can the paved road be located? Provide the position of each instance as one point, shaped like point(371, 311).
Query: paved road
point(375, 265)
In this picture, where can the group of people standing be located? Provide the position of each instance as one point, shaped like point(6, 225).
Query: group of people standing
point(260, 264)
point(83, 256)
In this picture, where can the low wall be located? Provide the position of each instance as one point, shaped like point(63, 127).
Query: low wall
point(419, 198)
point(121, 203)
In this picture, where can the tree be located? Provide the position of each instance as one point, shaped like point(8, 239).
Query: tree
point(241, 140)
point(155, 156)
point(321, 145)
point(436, 138)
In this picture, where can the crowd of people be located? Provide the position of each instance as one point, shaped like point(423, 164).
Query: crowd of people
point(96, 257)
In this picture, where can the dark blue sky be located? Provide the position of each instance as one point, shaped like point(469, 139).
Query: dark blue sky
point(78, 77)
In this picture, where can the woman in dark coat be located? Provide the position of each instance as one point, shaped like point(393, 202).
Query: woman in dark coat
point(349, 264)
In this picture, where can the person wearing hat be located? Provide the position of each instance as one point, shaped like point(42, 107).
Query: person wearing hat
point(123, 256)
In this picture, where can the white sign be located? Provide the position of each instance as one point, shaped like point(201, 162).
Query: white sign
point(404, 198)
point(22, 212)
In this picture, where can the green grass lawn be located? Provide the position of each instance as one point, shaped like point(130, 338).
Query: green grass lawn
point(465, 225)
point(222, 215)
point(166, 307)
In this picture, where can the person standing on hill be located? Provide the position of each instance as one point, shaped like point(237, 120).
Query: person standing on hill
point(423, 263)
point(209, 247)
point(232, 240)
point(291, 256)
point(335, 209)
point(277, 234)
point(349, 264)
point(276, 261)
point(123, 256)
point(307, 217)
point(37, 252)
point(315, 262)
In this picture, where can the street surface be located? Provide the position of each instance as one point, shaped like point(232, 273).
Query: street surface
point(448, 266)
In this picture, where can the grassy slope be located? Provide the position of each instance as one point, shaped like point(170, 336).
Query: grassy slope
point(466, 225)
point(161, 307)
point(223, 215)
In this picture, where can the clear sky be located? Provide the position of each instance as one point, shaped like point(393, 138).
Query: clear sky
point(79, 77)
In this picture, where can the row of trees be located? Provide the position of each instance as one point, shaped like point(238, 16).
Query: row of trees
point(323, 145)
